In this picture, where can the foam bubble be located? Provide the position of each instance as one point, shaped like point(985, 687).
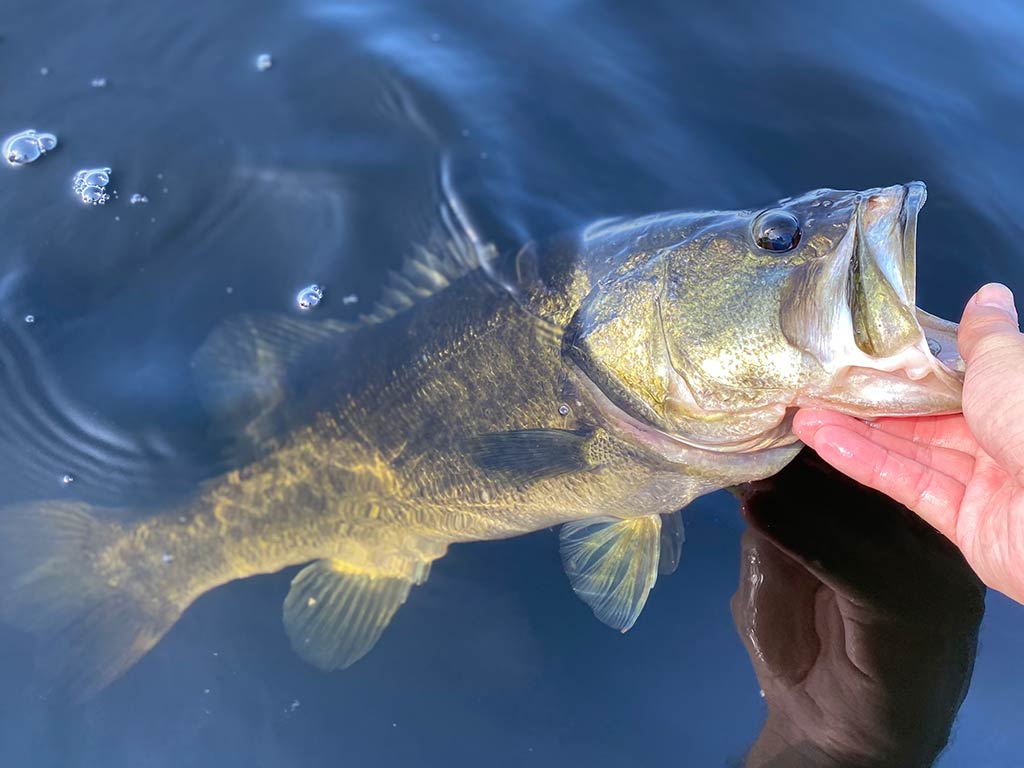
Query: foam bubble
point(91, 185)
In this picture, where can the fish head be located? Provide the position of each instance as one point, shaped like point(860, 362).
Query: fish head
point(713, 328)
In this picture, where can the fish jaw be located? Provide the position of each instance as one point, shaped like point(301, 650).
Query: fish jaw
point(882, 355)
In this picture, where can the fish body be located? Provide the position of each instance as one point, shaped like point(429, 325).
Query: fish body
point(601, 381)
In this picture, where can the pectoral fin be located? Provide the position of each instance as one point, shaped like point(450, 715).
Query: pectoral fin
point(536, 454)
point(612, 565)
point(334, 614)
point(672, 537)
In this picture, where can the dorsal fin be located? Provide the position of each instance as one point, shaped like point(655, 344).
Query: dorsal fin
point(453, 250)
point(243, 367)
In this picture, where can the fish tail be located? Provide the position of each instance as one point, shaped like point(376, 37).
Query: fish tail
point(90, 618)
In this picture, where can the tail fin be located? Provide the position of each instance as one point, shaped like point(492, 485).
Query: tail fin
point(57, 584)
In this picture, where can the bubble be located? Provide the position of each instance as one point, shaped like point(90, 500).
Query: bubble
point(310, 296)
point(68, 479)
point(563, 410)
point(99, 82)
point(28, 146)
point(91, 184)
point(934, 347)
point(30, 319)
point(166, 558)
point(264, 62)
point(44, 71)
point(352, 298)
point(94, 195)
point(138, 199)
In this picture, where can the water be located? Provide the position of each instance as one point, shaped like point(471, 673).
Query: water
point(554, 114)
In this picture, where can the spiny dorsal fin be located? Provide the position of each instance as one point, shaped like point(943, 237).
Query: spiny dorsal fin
point(612, 564)
point(243, 367)
point(455, 249)
point(335, 613)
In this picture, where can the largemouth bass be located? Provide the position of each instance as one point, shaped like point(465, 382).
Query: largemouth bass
point(599, 381)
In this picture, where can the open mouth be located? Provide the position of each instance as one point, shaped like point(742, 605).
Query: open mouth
point(887, 326)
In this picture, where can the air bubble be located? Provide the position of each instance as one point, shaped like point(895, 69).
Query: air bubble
point(30, 319)
point(264, 62)
point(352, 298)
point(138, 199)
point(99, 82)
point(91, 185)
point(563, 410)
point(934, 347)
point(310, 296)
point(28, 146)
point(44, 71)
point(68, 479)
point(167, 558)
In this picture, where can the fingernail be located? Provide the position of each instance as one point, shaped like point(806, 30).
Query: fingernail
point(996, 296)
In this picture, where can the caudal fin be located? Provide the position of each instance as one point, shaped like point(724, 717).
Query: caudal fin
point(59, 583)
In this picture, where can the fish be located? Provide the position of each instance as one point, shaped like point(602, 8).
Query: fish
point(597, 380)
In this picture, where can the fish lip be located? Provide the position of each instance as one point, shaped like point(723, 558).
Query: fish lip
point(914, 197)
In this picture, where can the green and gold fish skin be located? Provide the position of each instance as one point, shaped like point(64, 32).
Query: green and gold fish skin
point(603, 380)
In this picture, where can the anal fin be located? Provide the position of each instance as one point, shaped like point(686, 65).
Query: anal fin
point(335, 613)
point(612, 564)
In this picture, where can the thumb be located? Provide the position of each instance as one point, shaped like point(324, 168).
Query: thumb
point(991, 344)
point(989, 323)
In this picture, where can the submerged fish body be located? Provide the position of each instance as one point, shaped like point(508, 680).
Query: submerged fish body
point(601, 381)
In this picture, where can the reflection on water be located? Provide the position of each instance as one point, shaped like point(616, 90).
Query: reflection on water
point(860, 620)
point(322, 169)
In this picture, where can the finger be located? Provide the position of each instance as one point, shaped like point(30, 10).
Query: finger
point(932, 494)
point(948, 431)
point(989, 321)
point(956, 464)
point(993, 348)
point(773, 609)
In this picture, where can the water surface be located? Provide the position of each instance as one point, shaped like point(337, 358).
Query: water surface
point(321, 169)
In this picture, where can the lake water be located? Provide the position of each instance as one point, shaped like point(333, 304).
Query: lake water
point(316, 165)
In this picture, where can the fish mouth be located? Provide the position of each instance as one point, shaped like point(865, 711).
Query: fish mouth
point(887, 356)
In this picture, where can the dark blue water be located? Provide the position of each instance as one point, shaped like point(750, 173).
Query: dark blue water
point(322, 169)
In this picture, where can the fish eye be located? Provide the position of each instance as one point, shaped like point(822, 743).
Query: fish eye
point(776, 231)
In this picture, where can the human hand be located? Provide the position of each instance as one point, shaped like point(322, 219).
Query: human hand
point(963, 473)
point(860, 620)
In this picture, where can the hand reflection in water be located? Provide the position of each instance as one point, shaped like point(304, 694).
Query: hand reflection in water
point(861, 622)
